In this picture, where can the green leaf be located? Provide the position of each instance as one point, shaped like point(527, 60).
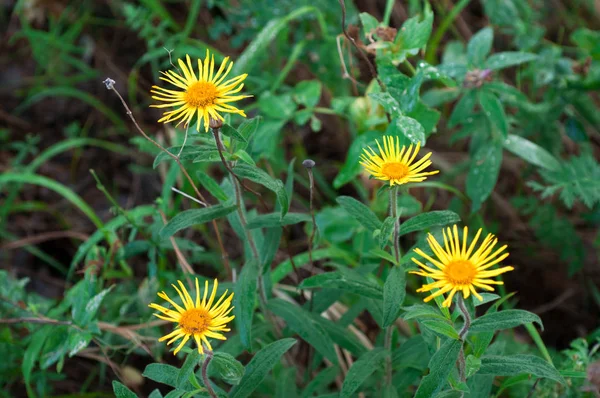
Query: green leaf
point(409, 128)
point(260, 365)
point(121, 391)
point(504, 320)
point(531, 152)
point(360, 212)
point(420, 311)
point(343, 280)
point(32, 353)
point(506, 59)
point(300, 322)
point(472, 365)
point(388, 102)
point(483, 173)
point(339, 334)
point(191, 217)
point(320, 381)
point(463, 108)
point(161, 373)
point(189, 152)
point(394, 291)
point(440, 366)
point(270, 247)
point(231, 132)
point(518, 364)
point(442, 328)
point(480, 46)
point(351, 167)
point(387, 228)
point(415, 32)
point(368, 22)
point(248, 127)
point(244, 300)
point(437, 218)
point(493, 109)
point(308, 93)
point(413, 353)
point(187, 369)
point(361, 370)
point(577, 178)
point(226, 367)
point(274, 220)
point(211, 186)
point(92, 306)
point(260, 177)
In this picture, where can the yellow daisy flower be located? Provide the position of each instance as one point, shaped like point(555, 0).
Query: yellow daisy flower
point(459, 268)
point(395, 163)
point(199, 319)
point(206, 94)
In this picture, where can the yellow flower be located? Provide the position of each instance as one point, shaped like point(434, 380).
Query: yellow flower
point(459, 268)
point(395, 163)
point(199, 319)
point(205, 95)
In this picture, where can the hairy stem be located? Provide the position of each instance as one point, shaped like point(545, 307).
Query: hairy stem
point(208, 357)
point(463, 332)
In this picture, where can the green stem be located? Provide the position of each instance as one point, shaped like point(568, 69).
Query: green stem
point(389, 6)
point(439, 33)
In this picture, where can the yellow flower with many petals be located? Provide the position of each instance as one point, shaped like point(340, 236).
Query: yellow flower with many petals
point(395, 163)
point(198, 319)
point(461, 269)
point(205, 95)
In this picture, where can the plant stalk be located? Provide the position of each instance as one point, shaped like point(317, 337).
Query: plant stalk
point(208, 357)
point(462, 334)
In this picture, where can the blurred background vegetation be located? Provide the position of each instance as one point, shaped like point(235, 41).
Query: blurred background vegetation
point(59, 220)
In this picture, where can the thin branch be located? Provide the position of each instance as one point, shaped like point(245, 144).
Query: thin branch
point(110, 85)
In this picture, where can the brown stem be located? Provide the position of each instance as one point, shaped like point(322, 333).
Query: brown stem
point(208, 357)
point(110, 84)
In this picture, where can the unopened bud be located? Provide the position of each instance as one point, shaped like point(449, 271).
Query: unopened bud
point(308, 163)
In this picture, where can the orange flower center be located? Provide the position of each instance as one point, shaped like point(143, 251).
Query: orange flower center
point(195, 320)
point(460, 272)
point(394, 170)
point(201, 94)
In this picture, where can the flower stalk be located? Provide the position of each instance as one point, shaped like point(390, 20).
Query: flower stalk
point(462, 334)
point(208, 356)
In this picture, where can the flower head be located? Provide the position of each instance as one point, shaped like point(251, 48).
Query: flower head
point(204, 95)
point(395, 163)
point(197, 319)
point(461, 269)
